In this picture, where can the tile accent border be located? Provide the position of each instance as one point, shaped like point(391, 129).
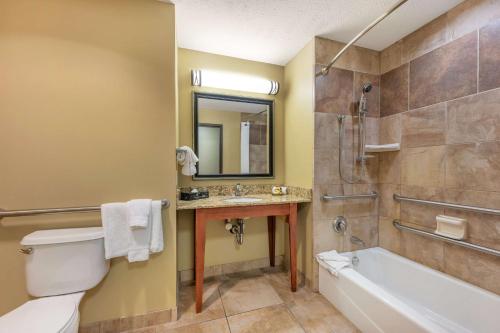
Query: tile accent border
point(124, 324)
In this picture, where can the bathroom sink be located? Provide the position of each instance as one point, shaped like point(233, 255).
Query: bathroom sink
point(243, 200)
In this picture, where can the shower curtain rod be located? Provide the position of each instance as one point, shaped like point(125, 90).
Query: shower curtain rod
point(326, 68)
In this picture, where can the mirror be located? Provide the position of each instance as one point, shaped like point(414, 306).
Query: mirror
point(233, 136)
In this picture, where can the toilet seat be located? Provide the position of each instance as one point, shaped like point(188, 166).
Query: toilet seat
point(54, 314)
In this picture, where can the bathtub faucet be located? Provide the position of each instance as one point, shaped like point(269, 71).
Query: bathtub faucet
point(360, 242)
point(357, 241)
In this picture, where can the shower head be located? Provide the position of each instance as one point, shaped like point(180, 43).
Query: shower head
point(367, 87)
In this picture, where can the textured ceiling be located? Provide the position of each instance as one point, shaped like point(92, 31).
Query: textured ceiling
point(273, 31)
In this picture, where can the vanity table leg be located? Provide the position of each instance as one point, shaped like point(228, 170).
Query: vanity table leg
point(271, 233)
point(200, 235)
point(292, 233)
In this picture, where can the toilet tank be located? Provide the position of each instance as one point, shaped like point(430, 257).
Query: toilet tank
point(63, 261)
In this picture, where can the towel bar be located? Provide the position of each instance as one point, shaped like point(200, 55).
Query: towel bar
point(372, 195)
point(471, 246)
point(29, 212)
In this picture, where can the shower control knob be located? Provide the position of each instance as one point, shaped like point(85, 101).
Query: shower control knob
point(340, 224)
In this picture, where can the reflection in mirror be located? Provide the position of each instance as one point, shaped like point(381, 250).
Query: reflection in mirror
point(233, 136)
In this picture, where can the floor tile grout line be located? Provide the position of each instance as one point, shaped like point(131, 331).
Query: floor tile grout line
point(295, 318)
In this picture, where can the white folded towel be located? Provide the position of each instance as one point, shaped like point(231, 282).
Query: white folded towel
point(138, 213)
point(334, 267)
point(332, 256)
point(333, 262)
point(116, 229)
point(156, 227)
point(187, 159)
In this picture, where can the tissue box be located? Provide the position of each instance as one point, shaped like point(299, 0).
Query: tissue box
point(452, 227)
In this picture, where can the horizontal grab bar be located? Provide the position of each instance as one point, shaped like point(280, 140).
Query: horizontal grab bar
point(432, 235)
point(30, 212)
point(372, 195)
point(448, 205)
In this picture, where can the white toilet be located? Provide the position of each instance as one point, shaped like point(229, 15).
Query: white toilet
point(61, 265)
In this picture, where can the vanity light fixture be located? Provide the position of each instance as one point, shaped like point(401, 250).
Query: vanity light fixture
point(233, 81)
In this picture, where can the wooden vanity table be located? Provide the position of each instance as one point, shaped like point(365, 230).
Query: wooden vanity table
point(217, 208)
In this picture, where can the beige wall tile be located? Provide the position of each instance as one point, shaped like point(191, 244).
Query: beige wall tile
point(471, 15)
point(473, 166)
point(424, 127)
point(423, 250)
point(423, 216)
point(373, 97)
point(325, 239)
point(446, 73)
point(390, 129)
point(474, 118)
point(423, 166)
point(90, 328)
point(356, 207)
point(389, 207)
point(429, 37)
point(326, 130)
point(111, 326)
point(389, 237)
point(391, 57)
point(326, 166)
point(356, 58)
point(489, 56)
point(327, 209)
point(475, 267)
point(394, 91)
point(365, 228)
point(482, 229)
point(390, 168)
point(334, 92)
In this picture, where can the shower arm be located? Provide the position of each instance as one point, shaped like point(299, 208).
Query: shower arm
point(326, 68)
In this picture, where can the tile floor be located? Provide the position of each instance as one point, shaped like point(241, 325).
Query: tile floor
point(256, 301)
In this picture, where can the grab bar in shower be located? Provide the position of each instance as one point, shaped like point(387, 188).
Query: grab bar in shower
point(432, 235)
point(372, 195)
point(475, 209)
point(29, 212)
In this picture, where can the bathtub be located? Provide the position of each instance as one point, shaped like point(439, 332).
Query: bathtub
point(388, 293)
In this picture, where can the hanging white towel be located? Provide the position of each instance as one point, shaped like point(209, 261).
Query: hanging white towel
point(156, 228)
point(245, 147)
point(138, 213)
point(187, 159)
point(116, 229)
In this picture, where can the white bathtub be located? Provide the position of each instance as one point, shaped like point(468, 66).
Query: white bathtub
point(388, 293)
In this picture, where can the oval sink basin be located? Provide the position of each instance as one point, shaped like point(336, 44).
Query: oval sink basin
point(243, 200)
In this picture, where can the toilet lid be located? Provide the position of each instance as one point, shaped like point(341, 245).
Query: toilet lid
point(43, 315)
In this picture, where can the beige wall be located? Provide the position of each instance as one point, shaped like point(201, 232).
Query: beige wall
point(231, 136)
point(447, 122)
point(87, 115)
point(220, 246)
point(299, 137)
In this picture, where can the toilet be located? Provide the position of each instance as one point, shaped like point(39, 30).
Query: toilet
point(61, 264)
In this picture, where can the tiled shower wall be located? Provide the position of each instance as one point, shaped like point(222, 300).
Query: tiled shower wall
point(337, 94)
point(440, 97)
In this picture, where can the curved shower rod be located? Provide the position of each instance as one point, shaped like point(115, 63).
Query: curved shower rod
point(326, 68)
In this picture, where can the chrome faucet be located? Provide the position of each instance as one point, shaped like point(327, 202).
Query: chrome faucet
point(237, 190)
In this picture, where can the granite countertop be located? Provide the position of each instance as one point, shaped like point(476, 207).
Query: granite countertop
point(219, 201)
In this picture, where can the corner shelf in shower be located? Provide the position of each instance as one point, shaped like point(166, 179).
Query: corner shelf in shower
point(382, 148)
